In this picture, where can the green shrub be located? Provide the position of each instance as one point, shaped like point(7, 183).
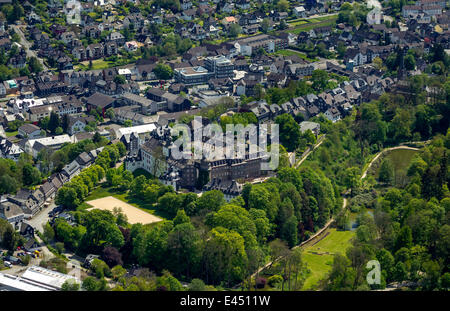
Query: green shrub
point(274, 280)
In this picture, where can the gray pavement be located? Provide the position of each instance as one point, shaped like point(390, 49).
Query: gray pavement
point(40, 219)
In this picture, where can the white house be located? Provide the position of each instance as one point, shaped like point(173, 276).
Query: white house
point(186, 4)
point(333, 114)
point(11, 212)
point(76, 127)
point(73, 9)
point(33, 146)
point(300, 11)
point(131, 46)
point(30, 131)
point(374, 16)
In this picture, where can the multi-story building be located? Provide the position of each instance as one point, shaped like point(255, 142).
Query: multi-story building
point(427, 7)
point(168, 101)
point(251, 45)
point(192, 75)
point(147, 106)
point(233, 169)
point(219, 66)
point(33, 146)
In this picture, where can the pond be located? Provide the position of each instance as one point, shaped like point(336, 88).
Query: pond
point(353, 216)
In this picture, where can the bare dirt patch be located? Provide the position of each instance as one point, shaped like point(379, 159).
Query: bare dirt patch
point(134, 214)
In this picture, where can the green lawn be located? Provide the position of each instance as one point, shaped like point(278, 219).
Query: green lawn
point(319, 257)
point(9, 134)
point(299, 54)
point(103, 191)
point(400, 159)
point(329, 21)
point(301, 21)
point(96, 65)
point(324, 18)
point(298, 22)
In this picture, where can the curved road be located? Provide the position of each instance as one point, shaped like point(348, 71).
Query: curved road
point(344, 202)
point(382, 152)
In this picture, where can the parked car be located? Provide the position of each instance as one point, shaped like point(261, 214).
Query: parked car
point(7, 264)
point(13, 260)
point(57, 209)
point(33, 254)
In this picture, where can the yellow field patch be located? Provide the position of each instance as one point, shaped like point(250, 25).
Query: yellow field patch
point(134, 214)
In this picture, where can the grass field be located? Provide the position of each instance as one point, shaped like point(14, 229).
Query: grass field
point(96, 65)
point(9, 134)
point(102, 192)
point(301, 21)
point(400, 159)
point(326, 21)
point(298, 22)
point(319, 257)
point(299, 54)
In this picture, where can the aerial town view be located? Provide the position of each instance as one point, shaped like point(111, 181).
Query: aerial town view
point(253, 146)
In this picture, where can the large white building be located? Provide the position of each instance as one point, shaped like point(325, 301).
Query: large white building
point(151, 157)
point(374, 16)
point(139, 129)
point(53, 142)
point(35, 279)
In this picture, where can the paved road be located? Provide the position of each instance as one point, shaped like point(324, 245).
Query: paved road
point(46, 254)
point(39, 220)
point(27, 45)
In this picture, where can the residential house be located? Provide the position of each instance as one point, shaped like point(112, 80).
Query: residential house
point(311, 126)
point(11, 212)
point(299, 11)
point(99, 101)
point(29, 131)
point(333, 114)
point(9, 150)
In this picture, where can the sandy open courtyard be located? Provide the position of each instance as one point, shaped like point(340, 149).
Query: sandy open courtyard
point(134, 214)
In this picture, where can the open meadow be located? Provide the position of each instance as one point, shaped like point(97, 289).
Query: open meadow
point(319, 256)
